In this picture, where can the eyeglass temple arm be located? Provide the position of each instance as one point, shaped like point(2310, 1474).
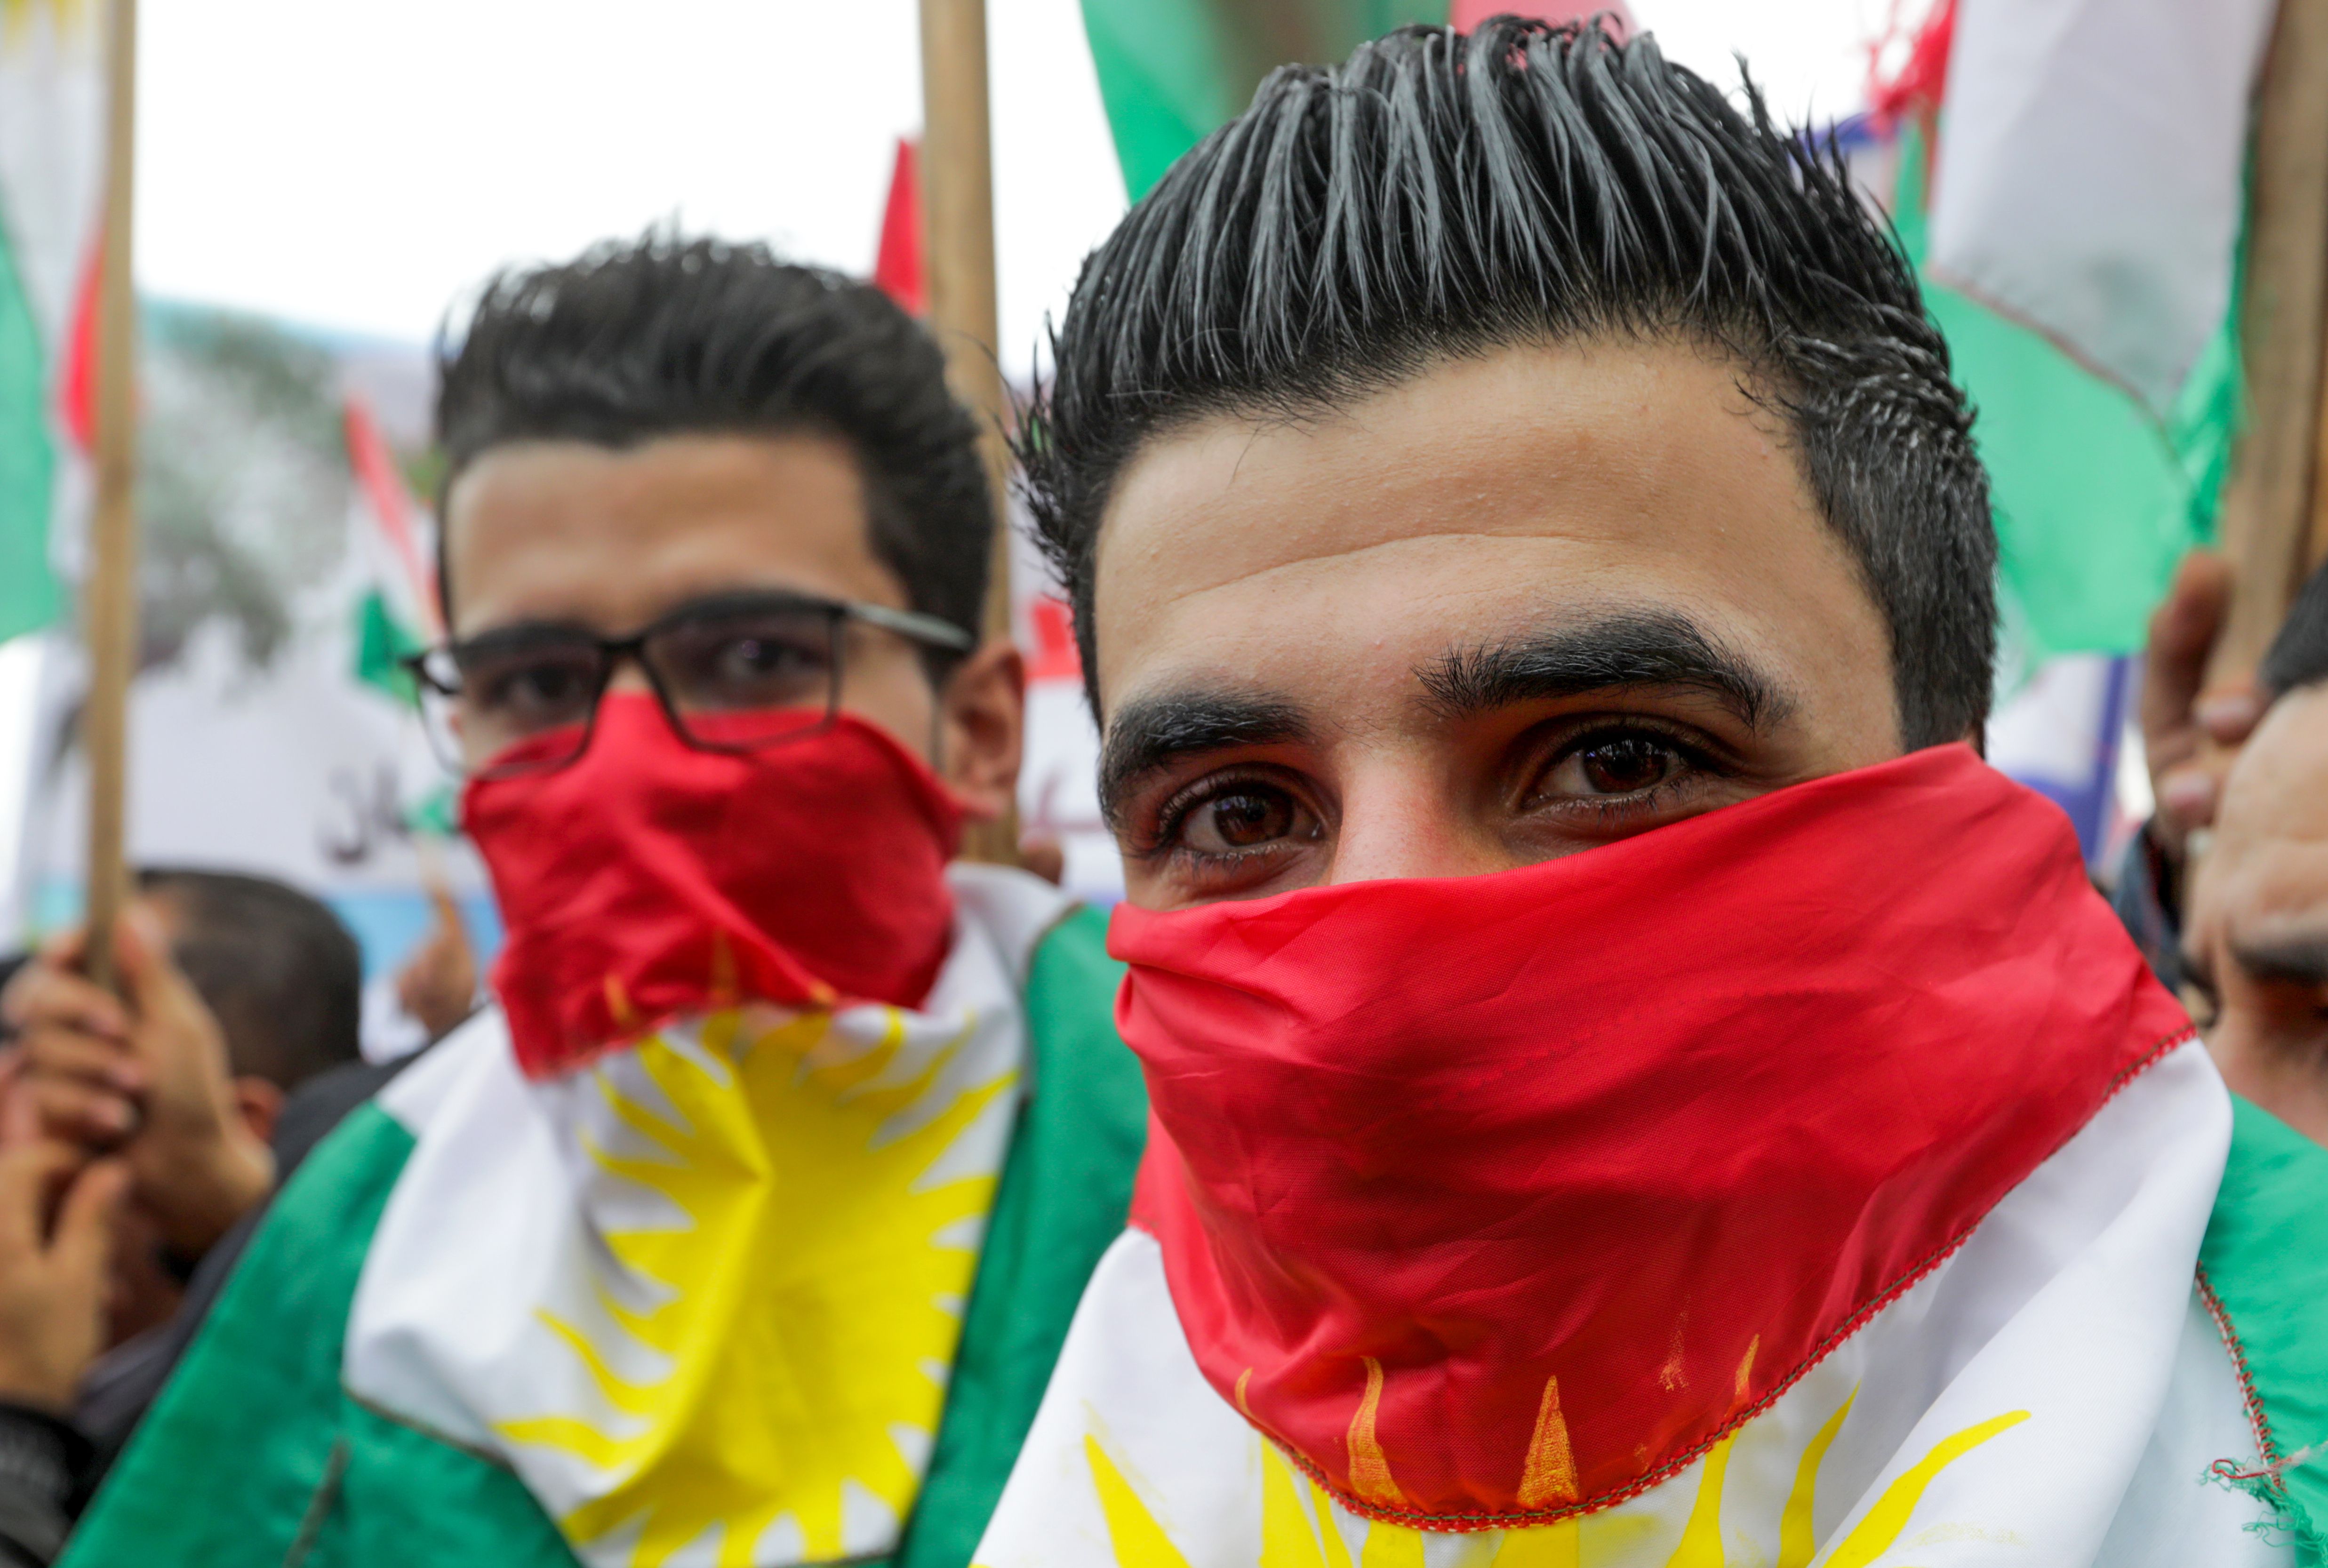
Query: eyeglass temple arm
point(911, 623)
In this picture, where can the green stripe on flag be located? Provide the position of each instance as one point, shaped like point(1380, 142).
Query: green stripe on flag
point(382, 644)
point(2266, 1257)
point(1171, 71)
point(28, 588)
point(2095, 501)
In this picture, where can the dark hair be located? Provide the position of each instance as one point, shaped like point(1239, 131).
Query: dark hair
point(659, 336)
point(1441, 196)
point(280, 970)
point(2299, 652)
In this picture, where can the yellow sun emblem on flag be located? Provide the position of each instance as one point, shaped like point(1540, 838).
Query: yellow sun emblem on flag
point(1295, 1536)
point(802, 1315)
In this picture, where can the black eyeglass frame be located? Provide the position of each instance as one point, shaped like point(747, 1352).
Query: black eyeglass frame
point(930, 631)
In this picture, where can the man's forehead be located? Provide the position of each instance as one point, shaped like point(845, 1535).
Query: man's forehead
point(1575, 438)
point(2278, 791)
point(612, 536)
point(1481, 502)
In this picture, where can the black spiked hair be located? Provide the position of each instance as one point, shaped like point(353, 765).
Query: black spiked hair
point(279, 970)
point(1443, 195)
point(664, 336)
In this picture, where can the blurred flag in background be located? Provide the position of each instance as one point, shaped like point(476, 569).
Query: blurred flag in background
point(1172, 70)
point(2069, 174)
point(398, 615)
point(2070, 178)
point(50, 155)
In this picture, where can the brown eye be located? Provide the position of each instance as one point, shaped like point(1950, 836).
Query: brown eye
point(1625, 765)
point(1243, 818)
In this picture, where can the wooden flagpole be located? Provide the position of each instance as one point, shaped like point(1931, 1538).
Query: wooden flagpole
point(111, 602)
point(2275, 517)
point(957, 190)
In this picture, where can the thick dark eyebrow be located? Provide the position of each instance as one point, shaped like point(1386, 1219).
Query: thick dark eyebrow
point(1614, 652)
point(1149, 734)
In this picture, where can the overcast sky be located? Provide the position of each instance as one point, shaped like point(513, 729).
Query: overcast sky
point(358, 166)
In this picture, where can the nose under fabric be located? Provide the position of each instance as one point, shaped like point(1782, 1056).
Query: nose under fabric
point(649, 880)
point(1495, 1198)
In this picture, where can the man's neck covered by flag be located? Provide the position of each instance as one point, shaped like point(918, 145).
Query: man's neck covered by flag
point(722, 1295)
point(1762, 1185)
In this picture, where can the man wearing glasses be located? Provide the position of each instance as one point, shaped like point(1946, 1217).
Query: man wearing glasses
point(747, 1227)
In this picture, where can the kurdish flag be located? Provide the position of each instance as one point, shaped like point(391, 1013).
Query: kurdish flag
point(27, 462)
point(2092, 155)
point(2070, 182)
point(51, 147)
point(398, 610)
point(399, 614)
point(1831, 1230)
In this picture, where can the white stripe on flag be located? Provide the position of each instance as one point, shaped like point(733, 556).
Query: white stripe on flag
point(2088, 175)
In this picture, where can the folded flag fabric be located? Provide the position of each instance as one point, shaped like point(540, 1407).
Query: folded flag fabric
point(2089, 173)
point(50, 102)
point(2052, 1387)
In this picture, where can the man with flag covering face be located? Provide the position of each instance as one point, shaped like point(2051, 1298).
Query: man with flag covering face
point(1631, 1087)
point(746, 1228)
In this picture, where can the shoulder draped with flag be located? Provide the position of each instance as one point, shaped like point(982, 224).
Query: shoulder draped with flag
point(1820, 1181)
point(767, 1288)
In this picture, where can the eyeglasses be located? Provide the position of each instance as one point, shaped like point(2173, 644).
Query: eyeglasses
point(735, 674)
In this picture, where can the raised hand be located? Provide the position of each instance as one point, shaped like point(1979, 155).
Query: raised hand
point(145, 1074)
point(2191, 732)
point(52, 1282)
point(437, 985)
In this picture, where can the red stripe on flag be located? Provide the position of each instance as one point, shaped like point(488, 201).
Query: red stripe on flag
point(77, 385)
point(392, 508)
point(1055, 656)
point(1922, 79)
point(897, 267)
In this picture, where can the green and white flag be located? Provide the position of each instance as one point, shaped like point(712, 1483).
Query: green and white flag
point(398, 615)
point(2092, 153)
point(2078, 220)
point(50, 152)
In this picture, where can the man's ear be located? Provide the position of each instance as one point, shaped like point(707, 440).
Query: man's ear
point(982, 725)
point(258, 1103)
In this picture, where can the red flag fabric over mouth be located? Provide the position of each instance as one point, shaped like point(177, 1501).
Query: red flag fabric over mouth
point(649, 880)
point(1492, 1199)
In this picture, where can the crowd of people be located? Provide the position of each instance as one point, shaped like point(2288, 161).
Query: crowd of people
point(1592, 1067)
